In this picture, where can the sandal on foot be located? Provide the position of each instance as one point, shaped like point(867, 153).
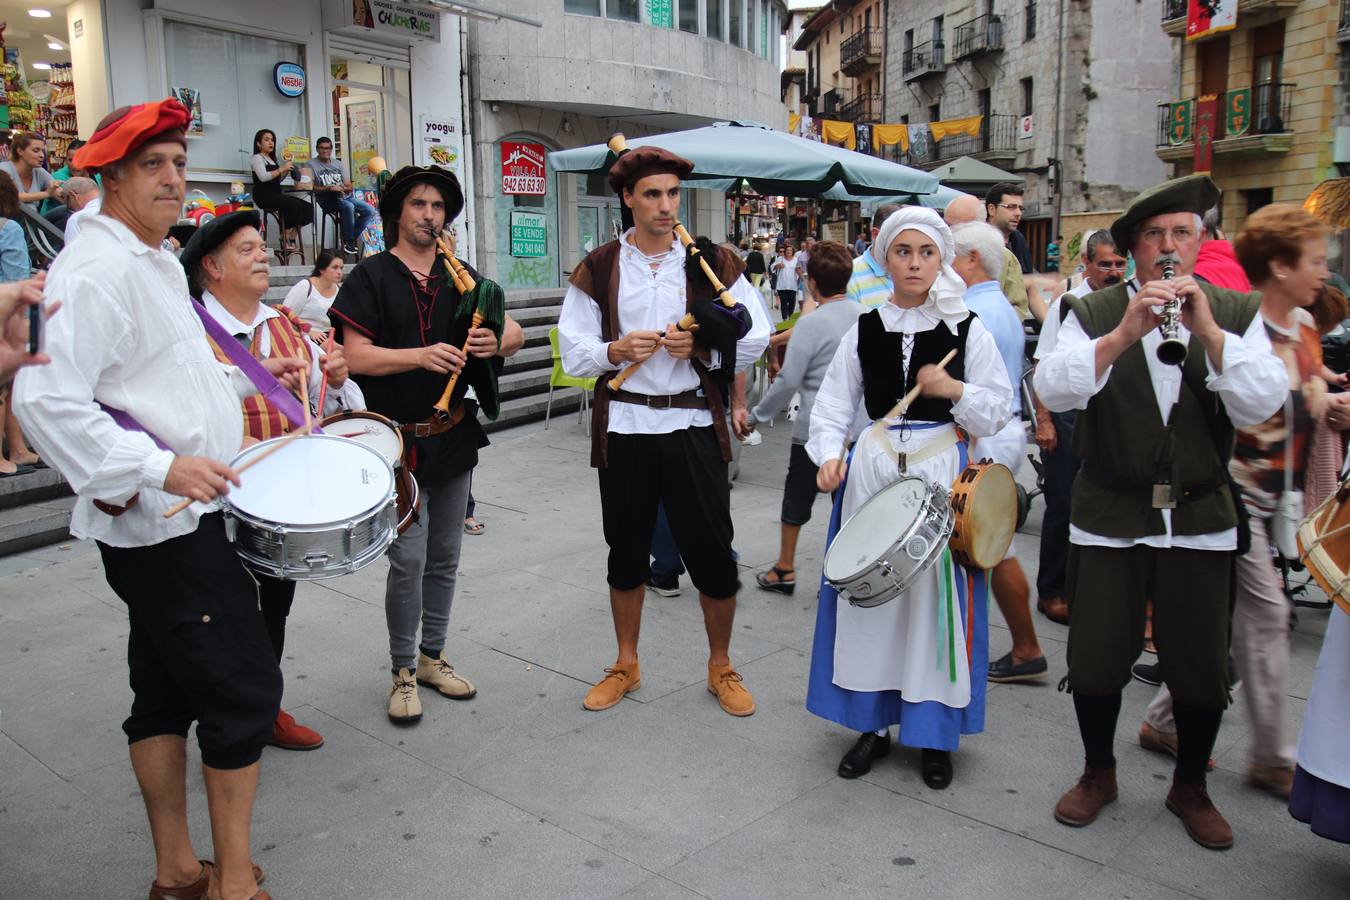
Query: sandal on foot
point(473, 526)
point(779, 584)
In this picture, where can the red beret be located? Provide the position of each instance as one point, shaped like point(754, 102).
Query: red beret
point(640, 162)
point(125, 130)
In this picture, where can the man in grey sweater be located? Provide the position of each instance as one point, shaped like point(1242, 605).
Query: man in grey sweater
point(815, 338)
point(334, 193)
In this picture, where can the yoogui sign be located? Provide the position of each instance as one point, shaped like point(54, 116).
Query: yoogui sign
point(523, 168)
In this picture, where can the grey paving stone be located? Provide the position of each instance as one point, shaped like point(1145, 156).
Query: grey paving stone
point(1111, 884)
point(21, 771)
point(647, 791)
point(857, 839)
point(658, 888)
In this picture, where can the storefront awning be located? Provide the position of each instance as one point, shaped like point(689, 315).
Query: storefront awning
point(772, 162)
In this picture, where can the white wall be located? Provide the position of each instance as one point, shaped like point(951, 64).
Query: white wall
point(88, 65)
point(126, 53)
point(437, 93)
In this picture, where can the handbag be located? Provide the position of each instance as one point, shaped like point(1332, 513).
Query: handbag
point(1288, 513)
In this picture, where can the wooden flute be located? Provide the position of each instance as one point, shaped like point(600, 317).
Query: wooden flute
point(463, 283)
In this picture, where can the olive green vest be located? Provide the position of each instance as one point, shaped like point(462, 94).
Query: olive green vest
point(1122, 433)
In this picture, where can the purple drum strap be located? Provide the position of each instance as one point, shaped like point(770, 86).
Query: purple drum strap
point(128, 422)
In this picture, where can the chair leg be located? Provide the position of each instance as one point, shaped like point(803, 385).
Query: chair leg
point(548, 407)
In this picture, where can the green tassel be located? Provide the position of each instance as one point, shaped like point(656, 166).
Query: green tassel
point(488, 298)
point(951, 626)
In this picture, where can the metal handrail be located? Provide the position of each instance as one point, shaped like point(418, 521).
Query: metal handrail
point(44, 239)
point(1271, 110)
point(862, 43)
point(926, 57)
point(980, 34)
point(1174, 9)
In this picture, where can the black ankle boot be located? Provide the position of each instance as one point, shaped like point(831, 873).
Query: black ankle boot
point(858, 760)
point(936, 766)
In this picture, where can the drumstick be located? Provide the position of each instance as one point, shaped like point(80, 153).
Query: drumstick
point(248, 464)
point(304, 399)
point(323, 384)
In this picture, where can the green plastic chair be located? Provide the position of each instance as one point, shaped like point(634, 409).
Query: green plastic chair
point(560, 379)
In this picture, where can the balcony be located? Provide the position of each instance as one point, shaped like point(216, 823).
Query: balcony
point(864, 108)
point(860, 51)
point(925, 59)
point(833, 102)
point(983, 34)
point(1269, 132)
point(996, 145)
point(1174, 12)
point(1343, 28)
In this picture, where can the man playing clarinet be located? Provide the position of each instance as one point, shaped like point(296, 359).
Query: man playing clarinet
point(407, 329)
point(662, 437)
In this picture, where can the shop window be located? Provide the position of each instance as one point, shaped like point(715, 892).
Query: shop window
point(582, 7)
point(1257, 198)
point(689, 16)
point(1028, 95)
point(233, 72)
point(714, 18)
point(737, 11)
point(627, 10)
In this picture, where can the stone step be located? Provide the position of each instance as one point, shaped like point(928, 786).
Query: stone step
point(35, 525)
point(524, 383)
point(530, 358)
point(536, 315)
point(525, 299)
point(36, 486)
point(537, 335)
point(531, 409)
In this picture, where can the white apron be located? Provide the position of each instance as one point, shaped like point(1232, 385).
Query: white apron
point(1322, 746)
point(894, 646)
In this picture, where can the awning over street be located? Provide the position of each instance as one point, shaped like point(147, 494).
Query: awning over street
point(969, 171)
point(772, 162)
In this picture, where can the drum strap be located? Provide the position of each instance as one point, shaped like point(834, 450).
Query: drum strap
point(904, 460)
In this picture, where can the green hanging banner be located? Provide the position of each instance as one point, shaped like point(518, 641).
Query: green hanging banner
point(1238, 112)
point(661, 13)
point(1179, 122)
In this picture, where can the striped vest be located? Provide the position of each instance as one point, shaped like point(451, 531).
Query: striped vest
point(262, 420)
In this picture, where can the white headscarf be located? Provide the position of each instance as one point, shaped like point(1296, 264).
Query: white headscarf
point(946, 296)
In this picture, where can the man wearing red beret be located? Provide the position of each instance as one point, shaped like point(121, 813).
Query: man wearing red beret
point(136, 412)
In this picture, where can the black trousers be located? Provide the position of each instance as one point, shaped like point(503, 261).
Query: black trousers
point(1059, 467)
point(1192, 594)
point(685, 471)
point(787, 302)
point(198, 650)
point(275, 597)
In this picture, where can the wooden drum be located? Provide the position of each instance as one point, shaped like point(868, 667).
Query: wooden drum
point(1324, 545)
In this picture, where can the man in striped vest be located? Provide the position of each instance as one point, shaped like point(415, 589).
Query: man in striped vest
point(227, 270)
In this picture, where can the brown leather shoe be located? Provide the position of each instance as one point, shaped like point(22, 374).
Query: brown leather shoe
point(1151, 738)
point(618, 680)
point(197, 890)
point(726, 685)
point(1056, 609)
point(1278, 780)
point(1080, 806)
point(1205, 824)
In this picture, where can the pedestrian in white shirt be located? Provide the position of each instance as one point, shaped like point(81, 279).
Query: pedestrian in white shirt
point(135, 411)
point(83, 200)
point(1153, 516)
point(310, 297)
point(662, 438)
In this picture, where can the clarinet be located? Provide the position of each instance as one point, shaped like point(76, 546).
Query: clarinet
point(1172, 350)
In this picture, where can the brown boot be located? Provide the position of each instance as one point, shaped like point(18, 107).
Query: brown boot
point(1080, 806)
point(1205, 824)
point(1056, 609)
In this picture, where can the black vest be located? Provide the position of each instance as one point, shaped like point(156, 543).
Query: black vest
point(885, 380)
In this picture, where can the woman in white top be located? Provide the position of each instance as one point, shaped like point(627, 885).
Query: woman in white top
point(310, 297)
point(784, 269)
point(920, 660)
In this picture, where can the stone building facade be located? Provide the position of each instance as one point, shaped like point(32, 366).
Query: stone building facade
point(1074, 81)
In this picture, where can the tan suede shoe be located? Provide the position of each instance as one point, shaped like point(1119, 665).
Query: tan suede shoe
point(404, 705)
point(618, 680)
point(1276, 779)
point(439, 674)
point(725, 683)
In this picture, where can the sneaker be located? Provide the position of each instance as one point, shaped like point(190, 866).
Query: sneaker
point(1148, 673)
point(439, 674)
point(350, 248)
point(404, 705)
point(665, 585)
point(726, 684)
point(288, 735)
point(618, 680)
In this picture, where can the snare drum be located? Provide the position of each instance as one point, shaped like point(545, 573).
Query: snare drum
point(984, 500)
point(319, 508)
point(374, 430)
point(1324, 545)
point(889, 542)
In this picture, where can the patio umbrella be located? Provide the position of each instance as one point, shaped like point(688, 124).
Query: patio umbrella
point(937, 200)
point(771, 162)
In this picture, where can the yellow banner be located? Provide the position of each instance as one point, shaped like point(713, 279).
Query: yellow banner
point(888, 135)
point(794, 120)
point(970, 125)
point(839, 133)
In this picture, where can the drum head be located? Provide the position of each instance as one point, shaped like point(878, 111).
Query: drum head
point(880, 522)
point(370, 429)
point(314, 480)
point(993, 515)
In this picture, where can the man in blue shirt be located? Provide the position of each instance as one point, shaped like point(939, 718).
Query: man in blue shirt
point(979, 262)
point(870, 283)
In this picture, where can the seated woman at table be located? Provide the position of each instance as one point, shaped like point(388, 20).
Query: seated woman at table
point(310, 297)
point(267, 194)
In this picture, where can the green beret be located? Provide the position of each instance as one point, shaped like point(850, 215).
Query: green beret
point(1193, 194)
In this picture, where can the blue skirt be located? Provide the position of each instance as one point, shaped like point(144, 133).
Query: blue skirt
point(927, 724)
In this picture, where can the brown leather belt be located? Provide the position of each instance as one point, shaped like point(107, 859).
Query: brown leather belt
point(687, 400)
point(434, 425)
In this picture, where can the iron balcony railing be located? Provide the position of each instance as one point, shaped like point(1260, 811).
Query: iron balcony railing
point(1271, 106)
point(998, 133)
point(860, 50)
point(832, 102)
point(862, 108)
point(983, 34)
point(926, 57)
point(1173, 9)
point(1344, 25)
